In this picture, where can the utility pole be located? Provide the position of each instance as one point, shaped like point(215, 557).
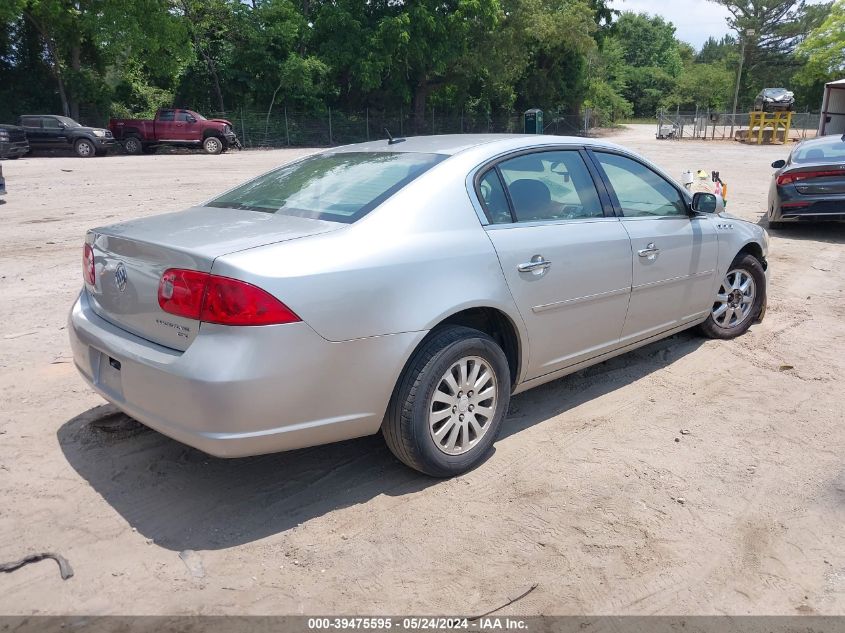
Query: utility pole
point(744, 39)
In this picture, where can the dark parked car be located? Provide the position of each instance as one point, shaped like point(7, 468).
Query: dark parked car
point(48, 131)
point(12, 141)
point(809, 186)
point(774, 100)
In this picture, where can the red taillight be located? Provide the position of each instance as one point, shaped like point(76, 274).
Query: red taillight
point(215, 299)
point(796, 176)
point(88, 270)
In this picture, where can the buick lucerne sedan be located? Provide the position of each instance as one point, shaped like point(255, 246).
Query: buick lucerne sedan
point(408, 287)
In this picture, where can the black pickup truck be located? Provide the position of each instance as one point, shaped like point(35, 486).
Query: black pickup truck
point(48, 131)
point(13, 142)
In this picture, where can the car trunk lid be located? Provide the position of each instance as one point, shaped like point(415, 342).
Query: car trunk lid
point(819, 180)
point(131, 257)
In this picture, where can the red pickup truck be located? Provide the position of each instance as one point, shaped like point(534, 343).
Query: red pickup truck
point(173, 126)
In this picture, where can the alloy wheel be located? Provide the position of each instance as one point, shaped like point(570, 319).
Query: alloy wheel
point(735, 298)
point(463, 405)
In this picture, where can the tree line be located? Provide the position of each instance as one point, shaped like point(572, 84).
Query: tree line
point(129, 57)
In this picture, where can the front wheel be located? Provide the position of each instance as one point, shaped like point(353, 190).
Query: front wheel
point(450, 402)
point(212, 145)
point(84, 148)
point(739, 300)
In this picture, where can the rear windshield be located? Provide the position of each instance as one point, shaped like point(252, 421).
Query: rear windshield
point(832, 151)
point(340, 187)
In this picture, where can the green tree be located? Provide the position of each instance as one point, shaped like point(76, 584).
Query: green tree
point(653, 58)
point(772, 29)
point(824, 48)
point(82, 38)
point(703, 86)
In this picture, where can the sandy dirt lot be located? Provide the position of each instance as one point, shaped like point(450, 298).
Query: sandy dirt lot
point(593, 493)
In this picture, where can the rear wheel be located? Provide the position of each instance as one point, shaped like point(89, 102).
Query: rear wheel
point(132, 145)
point(213, 145)
point(739, 300)
point(84, 148)
point(774, 224)
point(449, 404)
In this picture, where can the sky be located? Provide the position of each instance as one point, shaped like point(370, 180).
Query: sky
point(694, 20)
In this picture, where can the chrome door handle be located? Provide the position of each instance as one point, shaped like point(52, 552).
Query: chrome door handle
point(537, 263)
point(649, 251)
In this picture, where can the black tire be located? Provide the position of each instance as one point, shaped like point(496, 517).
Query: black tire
point(213, 145)
point(84, 148)
point(751, 266)
point(406, 424)
point(14, 157)
point(133, 145)
point(773, 224)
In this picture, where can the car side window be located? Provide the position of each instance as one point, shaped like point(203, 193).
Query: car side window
point(166, 115)
point(49, 123)
point(493, 198)
point(182, 116)
point(640, 191)
point(553, 185)
point(31, 121)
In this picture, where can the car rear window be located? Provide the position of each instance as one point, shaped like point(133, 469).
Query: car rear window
point(819, 152)
point(340, 187)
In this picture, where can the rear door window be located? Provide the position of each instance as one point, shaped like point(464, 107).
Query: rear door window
point(493, 198)
point(550, 186)
point(166, 115)
point(31, 121)
point(339, 187)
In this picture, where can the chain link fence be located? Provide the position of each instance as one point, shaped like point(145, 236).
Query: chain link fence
point(287, 127)
point(327, 127)
point(715, 125)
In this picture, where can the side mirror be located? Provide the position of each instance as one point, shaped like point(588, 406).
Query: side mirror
point(704, 202)
point(191, 119)
point(779, 163)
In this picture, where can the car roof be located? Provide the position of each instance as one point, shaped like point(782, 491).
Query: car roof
point(450, 144)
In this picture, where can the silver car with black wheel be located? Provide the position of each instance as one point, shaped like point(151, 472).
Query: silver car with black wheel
point(407, 287)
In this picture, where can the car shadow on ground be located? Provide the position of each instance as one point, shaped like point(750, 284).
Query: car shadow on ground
point(184, 499)
point(828, 232)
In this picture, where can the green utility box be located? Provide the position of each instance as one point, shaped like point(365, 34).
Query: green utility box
point(533, 121)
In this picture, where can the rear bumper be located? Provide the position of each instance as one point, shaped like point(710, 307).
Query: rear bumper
point(242, 391)
point(794, 207)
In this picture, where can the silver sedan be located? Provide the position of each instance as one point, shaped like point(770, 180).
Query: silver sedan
point(408, 287)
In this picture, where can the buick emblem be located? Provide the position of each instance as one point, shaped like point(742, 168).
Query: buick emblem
point(120, 277)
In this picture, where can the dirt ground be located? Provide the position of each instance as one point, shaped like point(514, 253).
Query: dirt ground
point(593, 492)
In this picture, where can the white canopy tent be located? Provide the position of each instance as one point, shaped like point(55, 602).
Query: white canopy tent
point(833, 109)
